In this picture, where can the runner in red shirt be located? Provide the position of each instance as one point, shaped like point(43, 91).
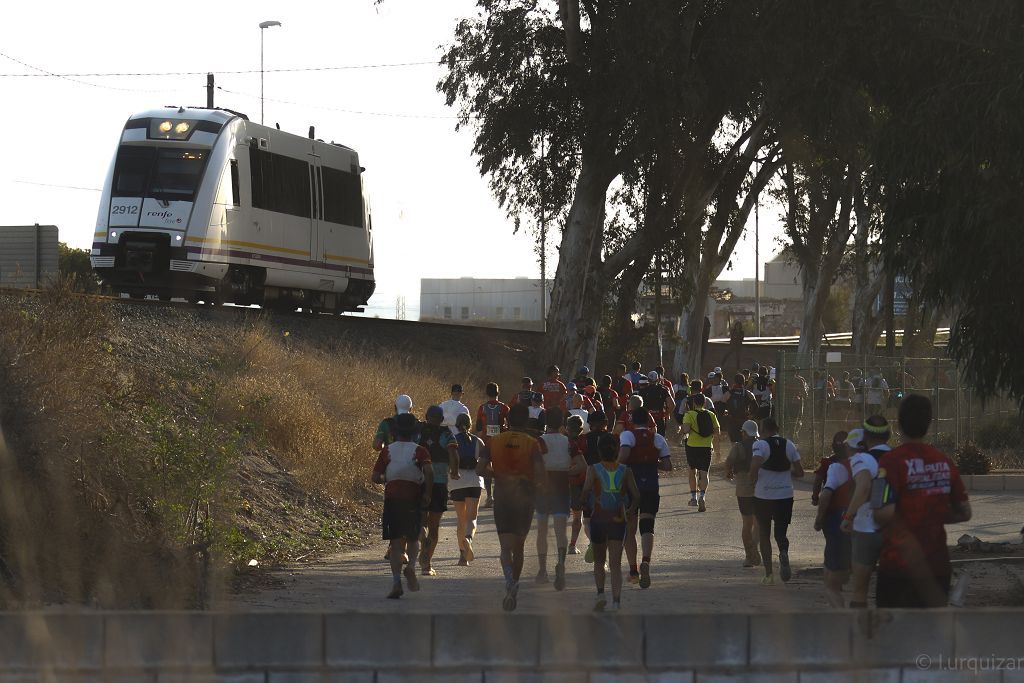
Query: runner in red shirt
point(921, 492)
point(622, 385)
point(491, 420)
point(625, 420)
point(553, 390)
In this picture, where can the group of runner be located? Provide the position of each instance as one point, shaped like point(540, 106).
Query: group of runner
point(590, 451)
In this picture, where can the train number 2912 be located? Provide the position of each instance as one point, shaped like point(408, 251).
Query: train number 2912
point(123, 209)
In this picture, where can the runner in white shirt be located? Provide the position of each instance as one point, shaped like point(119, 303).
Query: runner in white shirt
point(774, 464)
point(860, 520)
point(453, 407)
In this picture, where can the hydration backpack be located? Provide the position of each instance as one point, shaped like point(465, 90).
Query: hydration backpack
point(467, 451)
point(777, 460)
point(493, 414)
point(430, 438)
point(705, 424)
point(610, 497)
point(738, 404)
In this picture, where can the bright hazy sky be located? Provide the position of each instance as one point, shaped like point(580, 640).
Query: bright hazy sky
point(433, 214)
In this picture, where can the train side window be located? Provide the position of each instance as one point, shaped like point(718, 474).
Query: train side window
point(236, 198)
point(256, 180)
point(343, 197)
point(280, 183)
point(447, 312)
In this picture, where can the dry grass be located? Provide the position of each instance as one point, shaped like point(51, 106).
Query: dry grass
point(319, 409)
point(146, 445)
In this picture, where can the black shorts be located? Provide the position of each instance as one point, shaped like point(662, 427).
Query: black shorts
point(555, 498)
point(650, 501)
point(900, 591)
point(460, 495)
point(604, 530)
point(513, 507)
point(698, 457)
point(401, 519)
point(438, 498)
point(746, 504)
point(778, 511)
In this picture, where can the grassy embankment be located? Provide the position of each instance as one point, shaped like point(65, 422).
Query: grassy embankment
point(152, 452)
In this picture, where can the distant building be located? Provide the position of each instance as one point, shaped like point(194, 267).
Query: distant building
point(515, 303)
point(28, 255)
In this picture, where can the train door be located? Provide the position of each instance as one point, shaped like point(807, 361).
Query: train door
point(316, 182)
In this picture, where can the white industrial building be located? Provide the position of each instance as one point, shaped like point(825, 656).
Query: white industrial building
point(28, 255)
point(514, 303)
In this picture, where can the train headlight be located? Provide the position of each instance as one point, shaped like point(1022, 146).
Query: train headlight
point(181, 128)
point(165, 127)
point(171, 129)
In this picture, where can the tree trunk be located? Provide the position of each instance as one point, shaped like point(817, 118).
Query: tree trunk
point(866, 324)
point(815, 297)
point(578, 294)
point(623, 329)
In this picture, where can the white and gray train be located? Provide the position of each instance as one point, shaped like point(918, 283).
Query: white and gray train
point(207, 205)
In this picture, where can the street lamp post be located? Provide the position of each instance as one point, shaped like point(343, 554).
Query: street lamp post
point(263, 25)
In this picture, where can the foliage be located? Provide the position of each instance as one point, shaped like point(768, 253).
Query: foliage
point(970, 459)
point(1003, 433)
point(74, 264)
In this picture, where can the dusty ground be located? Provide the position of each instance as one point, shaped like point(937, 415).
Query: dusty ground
point(697, 566)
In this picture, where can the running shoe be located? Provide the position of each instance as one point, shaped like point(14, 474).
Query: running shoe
point(615, 606)
point(396, 591)
point(701, 507)
point(542, 577)
point(509, 603)
point(768, 580)
point(588, 556)
point(600, 603)
point(634, 577)
point(693, 502)
point(645, 574)
point(785, 573)
point(462, 559)
point(470, 555)
point(428, 571)
point(560, 576)
point(410, 577)
point(488, 504)
point(573, 550)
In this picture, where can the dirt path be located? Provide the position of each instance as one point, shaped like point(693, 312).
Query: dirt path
point(696, 566)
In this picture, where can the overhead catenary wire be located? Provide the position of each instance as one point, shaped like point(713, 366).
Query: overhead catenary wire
point(71, 78)
point(306, 105)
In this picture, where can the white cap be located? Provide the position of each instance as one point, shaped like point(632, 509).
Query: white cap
point(711, 375)
point(653, 376)
point(750, 427)
point(718, 370)
point(854, 437)
point(403, 404)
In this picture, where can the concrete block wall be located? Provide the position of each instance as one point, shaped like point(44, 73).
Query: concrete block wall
point(898, 646)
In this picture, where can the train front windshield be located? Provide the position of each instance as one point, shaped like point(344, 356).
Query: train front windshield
point(168, 174)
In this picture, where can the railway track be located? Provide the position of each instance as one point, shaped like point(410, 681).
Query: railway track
point(230, 309)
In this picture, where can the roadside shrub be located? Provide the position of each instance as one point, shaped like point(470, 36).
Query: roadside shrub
point(972, 460)
point(1001, 433)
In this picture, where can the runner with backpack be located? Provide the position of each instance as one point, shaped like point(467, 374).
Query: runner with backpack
point(737, 469)
point(577, 444)
point(646, 452)
point(657, 400)
point(588, 446)
point(430, 433)
point(525, 393)
point(700, 426)
point(464, 484)
point(491, 420)
point(615, 498)
point(859, 518)
point(622, 385)
point(775, 461)
point(832, 507)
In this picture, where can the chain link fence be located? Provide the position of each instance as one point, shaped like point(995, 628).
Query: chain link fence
point(817, 395)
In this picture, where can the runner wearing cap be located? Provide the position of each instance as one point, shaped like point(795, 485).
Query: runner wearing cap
point(535, 414)
point(832, 506)
point(525, 393)
point(464, 483)
point(737, 469)
point(583, 379)
point(638, 379)
point(403, 466)
point(385, 433)
point(859, 518)
point(430, 437)
point(657, 400)
point(453, 406)
point(577, 403)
